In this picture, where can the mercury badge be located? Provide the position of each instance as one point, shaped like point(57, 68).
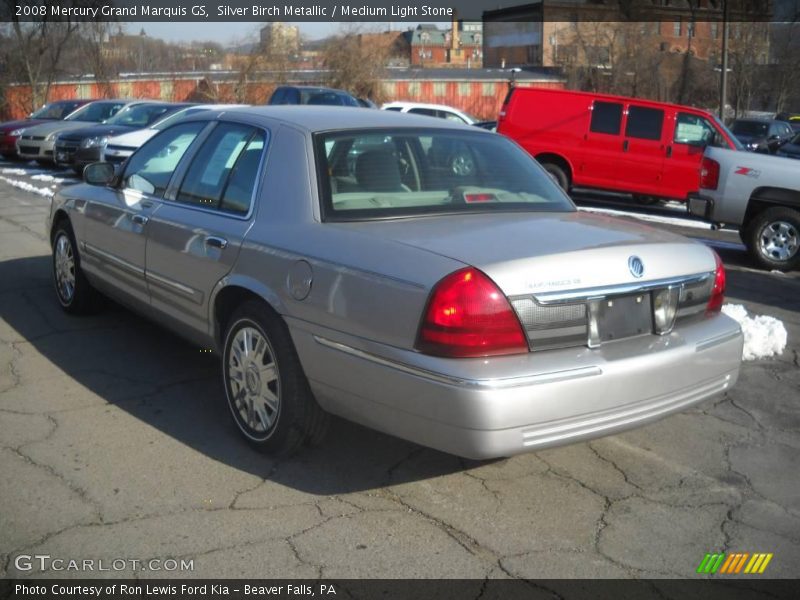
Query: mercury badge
point(636, 266)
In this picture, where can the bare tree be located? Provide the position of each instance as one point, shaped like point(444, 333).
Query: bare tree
point(36, 53)
point(356, 61)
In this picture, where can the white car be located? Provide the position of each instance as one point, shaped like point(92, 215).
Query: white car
point(122, 146)
point(432, 110)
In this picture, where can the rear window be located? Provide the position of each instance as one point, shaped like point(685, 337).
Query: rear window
point(749, 128)
point(409, 172)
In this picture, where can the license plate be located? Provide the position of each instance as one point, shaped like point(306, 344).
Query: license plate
point(623, 316)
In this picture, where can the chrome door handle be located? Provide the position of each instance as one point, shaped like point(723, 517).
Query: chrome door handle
point(139, 219)
point(216, 242)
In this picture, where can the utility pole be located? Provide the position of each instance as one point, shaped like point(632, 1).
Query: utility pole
point(723, 80)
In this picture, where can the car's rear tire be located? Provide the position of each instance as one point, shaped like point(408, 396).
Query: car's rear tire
point(559, 174)
point(773, 238)
point(265, 387)
point(74, 292)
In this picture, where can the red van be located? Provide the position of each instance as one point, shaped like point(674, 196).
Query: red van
point(649, 149)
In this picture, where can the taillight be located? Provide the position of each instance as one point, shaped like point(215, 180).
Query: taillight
point(468, 316)
point(718, 291)
point(709, 174)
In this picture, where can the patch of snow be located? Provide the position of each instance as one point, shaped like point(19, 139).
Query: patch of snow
point(23, 185)
point(653, 218)
point(763, 336)
point(15, 171)
point(55, 180)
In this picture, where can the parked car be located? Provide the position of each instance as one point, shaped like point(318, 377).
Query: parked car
point(122, 146)
point(792, 118)
point(762, 135)
point(431, 110)
point(11, 130)
point(758, 193)
point(79, 147)
point(791, 149)
point(471, 310)
point(38, 142)
point(302, 94)
point(649, 149)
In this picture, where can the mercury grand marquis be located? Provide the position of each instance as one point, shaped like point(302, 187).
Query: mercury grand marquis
point(423, 278)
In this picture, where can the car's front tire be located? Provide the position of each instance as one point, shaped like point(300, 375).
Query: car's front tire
point(773, 238)
point(74, 292)
point(265, 387)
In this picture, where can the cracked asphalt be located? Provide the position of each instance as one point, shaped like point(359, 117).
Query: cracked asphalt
point(115, 443)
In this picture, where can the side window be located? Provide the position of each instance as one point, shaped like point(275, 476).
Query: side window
point(291, 96)
point(606, 117)
point(242, 182)
point(694, 130)
point(423, 111)
point(644, 123)
point(206, 180)
point(150, 168)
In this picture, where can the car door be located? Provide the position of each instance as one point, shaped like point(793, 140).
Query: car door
point(116, 218)
point(598, 161)
point(641, 163)
point(194, 238)
point(690, 134)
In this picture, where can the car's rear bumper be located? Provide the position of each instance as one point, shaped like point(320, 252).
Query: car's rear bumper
point(486, 408)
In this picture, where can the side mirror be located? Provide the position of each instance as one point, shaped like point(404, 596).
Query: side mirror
point(99, 173)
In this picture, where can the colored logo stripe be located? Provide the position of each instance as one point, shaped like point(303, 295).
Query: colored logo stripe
point(734, 563)
point(710, 563)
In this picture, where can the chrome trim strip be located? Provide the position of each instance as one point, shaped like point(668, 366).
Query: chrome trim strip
point(113, 259)
point(480, 384)
point(716, 341)
point(173, 285)
point(625, 288)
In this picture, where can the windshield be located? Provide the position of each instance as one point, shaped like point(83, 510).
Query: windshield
point(750, 128)
point(139, 115)
point(408, 172)
point(96, 112)
point(56, 110)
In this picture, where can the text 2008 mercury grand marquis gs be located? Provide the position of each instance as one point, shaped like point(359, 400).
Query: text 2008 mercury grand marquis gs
point(423, 278)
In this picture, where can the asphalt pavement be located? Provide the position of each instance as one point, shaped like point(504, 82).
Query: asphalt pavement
point(115, 444)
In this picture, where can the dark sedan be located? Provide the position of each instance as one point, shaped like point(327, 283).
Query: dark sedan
point(792, 149)
point(80, 147)
point(11, 130)
point(762, 135)
point(319, 96)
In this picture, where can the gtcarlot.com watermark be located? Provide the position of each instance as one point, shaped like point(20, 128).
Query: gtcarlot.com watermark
point(46, 562)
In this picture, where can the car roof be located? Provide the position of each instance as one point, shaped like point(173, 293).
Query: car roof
point(331, 118)
point(755, 120)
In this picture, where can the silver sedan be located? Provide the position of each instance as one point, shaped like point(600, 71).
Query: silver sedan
point(425, 279)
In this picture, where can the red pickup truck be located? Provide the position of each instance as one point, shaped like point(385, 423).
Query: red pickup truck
point(649, 149)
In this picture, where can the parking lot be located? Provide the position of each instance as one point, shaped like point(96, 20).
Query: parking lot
point(116, 444)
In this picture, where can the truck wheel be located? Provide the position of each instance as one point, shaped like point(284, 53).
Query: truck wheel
point(773, 238)
point(562, 179)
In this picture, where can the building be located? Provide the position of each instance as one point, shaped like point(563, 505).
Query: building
point(279, 38)
point(588, 33)
point(459, 46)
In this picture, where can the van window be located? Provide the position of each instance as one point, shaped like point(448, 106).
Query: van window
point(606, 117)
point(644, 123)
point(695, 130)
